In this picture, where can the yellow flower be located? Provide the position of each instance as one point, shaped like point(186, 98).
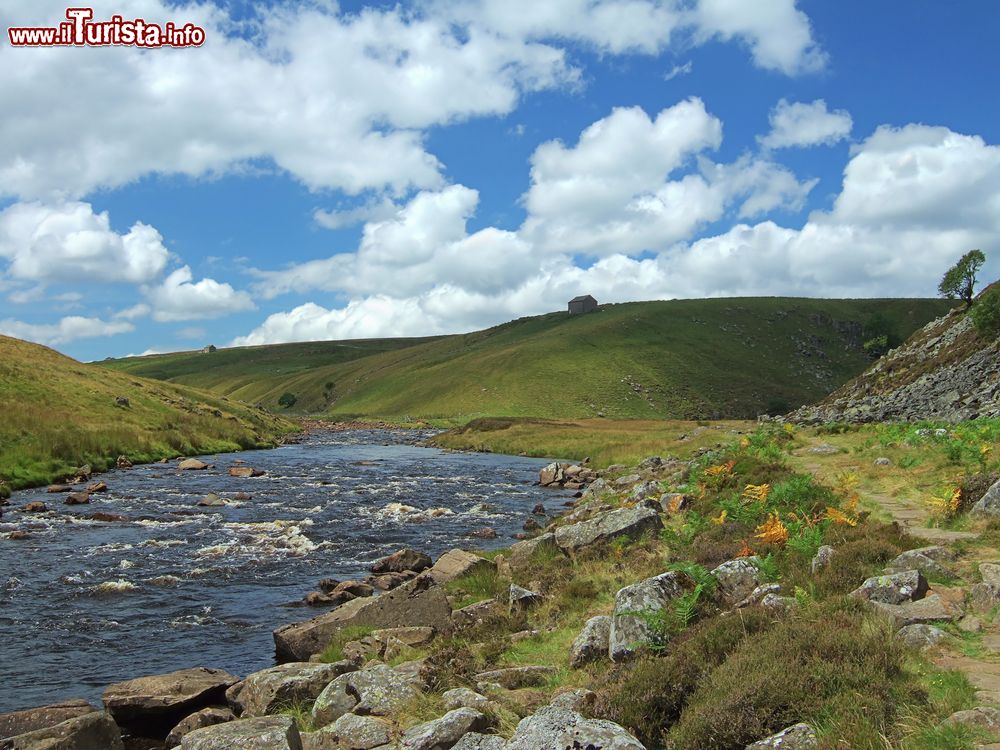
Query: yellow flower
point(789, 428)
point(721, 518)
point(772, 531)
point(745, 442)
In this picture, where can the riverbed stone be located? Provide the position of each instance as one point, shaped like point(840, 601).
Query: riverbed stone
point(419, 602)
point(268, 690)
point(95, 730)
point(897, 588)
point(443, 733)
point(156, 703)
point(738, 579)
point(376, 690)
point(192, 464)
point(401, 561)
point(797, 737)
point(33, 719)
point(630, 523)
point(211, 500)
point(629, 630)
point(259, 733)
point(554, 728)
point(457, 563)
point(245, 472)
point(592, 643)
point(206, 717)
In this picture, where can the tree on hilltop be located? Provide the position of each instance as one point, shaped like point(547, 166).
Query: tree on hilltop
point(960, 280)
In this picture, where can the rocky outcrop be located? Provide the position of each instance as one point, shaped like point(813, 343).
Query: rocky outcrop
point(629, 523)
point(373, 691)
point(921, 636)
point(524, 553)
point(592, 643)
point(738, 579)
point(353, 732)
point(32, 719)
point(463, 698)
point(207, 717)
point(554, 727)
point(989, 504)
point(908, 586)
point(92, 731)
point(401, 561)
point(630, 626)
point(930, 561)
point(266, 691)
point(443, 733)
point(986, 594)
point(457, 563)
point(797, 737)
point(929, 610)
point(262, 733)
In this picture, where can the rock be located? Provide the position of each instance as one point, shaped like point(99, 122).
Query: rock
point(352, 732)
point(514, 678)
point(737, 579)
point(908, 586)
point(319, 599)
point(77, 498)
point(444, 733)
point(523, 553)
point(928, 560)
point(354, 588)
point(18, 536)
point(122, 401)
point(122, 462)
point(538, 510)
point(580, 700)
point(416, 603)
point(928, 610)
point(797, 737)
point(883, 461)
point(970, 624)
point(920, 636)
point(592, 643)
point(484, 532)
point(260, 733)
point(207, 717)
point(630, 523)
point(245, 471)
point(377, 690)
point(778, 603)
point(650, 464)
point(554, 728)
point(530, 524)
point(33, 719)
point(551, 474)
point(97, 487)
point(464, 698)
point(57, 488)
point(984, 717)
point(233, 693)
point(628, 629)
point(267, 691)
point(989, 504)
point(211, 500)
point(674, 502)
point(457, 563)
point(755, 597)
point(412, 637)
point(477, 741)
point(192, 464)
point(520, 599)
point(389, 581)
point(328, 584)
point(403, 560)
point(478, 613)
point(627, 481)
point(822, 558)
point(91, 731)
point(82, 474)
point(161, 701)
point(986, 594)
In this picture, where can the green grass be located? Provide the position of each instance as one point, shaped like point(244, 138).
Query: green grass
point(57, 414)
point(677, 359)
point(334, 650)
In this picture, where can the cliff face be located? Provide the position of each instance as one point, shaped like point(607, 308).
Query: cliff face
point(945, 371)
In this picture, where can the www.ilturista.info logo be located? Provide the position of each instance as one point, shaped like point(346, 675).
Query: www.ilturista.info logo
point(80, 30)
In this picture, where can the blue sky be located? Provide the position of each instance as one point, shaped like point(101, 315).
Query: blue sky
point(371, 169)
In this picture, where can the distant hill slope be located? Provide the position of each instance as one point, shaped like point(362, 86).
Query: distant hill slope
point(945, 372)
point(57, 414)
point(680, 358)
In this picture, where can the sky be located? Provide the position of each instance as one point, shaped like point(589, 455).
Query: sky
point(323, 170)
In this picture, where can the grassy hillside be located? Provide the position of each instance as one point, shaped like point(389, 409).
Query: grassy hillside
point(57, 414)
point(680, 359)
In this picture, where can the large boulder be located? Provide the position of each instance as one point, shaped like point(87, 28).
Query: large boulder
point(192, 464)
point(926, 611)
point(515, 678)
point(738, 579)
point(266, 691)
point(986, 594)
point(554, 728)
point(989, 504)
point(206, 717)
point(464, 698)
point(401, 561)
point(153, 705)
point(931, 561)
point(592, 643)
point(908, 586)
point(630, 628)
point(523, 554)
point(416, 603)
point(353, 732)
point(259, 733)
point(377, 690)
point(443, 733)
point(457, 563)
point(32, 719)
point(630, 523)
point(477, 741)
point(922, 636)
point(92, 731)
point(797, 737)
point(520, 599)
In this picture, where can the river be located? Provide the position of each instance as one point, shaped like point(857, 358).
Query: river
point(86, 603)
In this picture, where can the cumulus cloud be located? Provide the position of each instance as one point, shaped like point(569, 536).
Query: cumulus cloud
point(179, 297)
point(800, 125)
point(66, 330)
point(70, 242)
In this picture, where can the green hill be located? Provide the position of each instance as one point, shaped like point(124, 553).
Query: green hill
point(681, 358)
point(57, 414)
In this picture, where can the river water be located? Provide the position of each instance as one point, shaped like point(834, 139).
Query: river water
point(85, 603)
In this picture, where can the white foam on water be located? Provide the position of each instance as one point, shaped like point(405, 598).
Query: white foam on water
point(165, 580)
point(119, 586)
point(126, 564)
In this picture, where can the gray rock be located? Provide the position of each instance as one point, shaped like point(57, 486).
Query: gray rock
point(457, 563)
point(401, 561)
point(644, 490)
point(478, 613)
point(580, 700)
point(259, 733)
point(375, 690)
point(477, 741)
point(778, 603)
point(989, 504)
point(921, 636)
point(928, 560)
point(822, 558)
point(33, 719)
point(897, 588)
point(797, 737)
point(984, 717)
point(444, 733)
point(514, 678)
point(266, 691)
point(986, 594)
point(674, 502)
point(928, 610)
point(650, 463)
point(630, 629)
point(592, 643)
point(523, 554)
point(883, 461)
point(464, 698)
point(166, 698)
point(192, 464)
point(520, 598)
point(554, 728)
point(211, 500)
point(416, 603)
point(738, 578)
point(757, 596)
point(627, 481)
point(207, 717)
point(353, 732)
point(630, 523)
point(91, 731)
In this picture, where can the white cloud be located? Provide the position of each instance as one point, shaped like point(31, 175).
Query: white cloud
point(372, 210)
point(69, 242)
point(66, 330)
point(678, 70)
point(179, 298)
point(800, 125)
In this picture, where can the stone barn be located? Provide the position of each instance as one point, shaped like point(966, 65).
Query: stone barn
point(584, 304)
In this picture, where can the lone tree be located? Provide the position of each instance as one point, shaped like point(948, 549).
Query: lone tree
point(960, 280)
